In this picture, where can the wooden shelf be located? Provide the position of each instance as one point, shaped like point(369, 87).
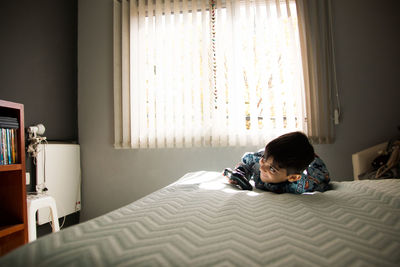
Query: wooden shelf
point(10, 167)
point(10, 229)
point(13, 220)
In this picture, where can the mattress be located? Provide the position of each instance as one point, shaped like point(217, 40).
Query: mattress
point(201, 220)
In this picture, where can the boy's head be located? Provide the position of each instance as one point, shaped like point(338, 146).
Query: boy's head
point(286, 157)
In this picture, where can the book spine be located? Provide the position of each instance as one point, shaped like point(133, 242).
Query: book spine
point(13, 146)
point(9, 146)
point(4, 138)
point(16, 144)
point(1, 147)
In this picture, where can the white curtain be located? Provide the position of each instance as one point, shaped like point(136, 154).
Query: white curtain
point(322, 97)
point(206, 73)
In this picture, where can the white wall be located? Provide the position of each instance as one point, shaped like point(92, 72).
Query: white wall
point(367, 69)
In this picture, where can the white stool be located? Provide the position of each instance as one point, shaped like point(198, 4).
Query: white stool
point(36, 202)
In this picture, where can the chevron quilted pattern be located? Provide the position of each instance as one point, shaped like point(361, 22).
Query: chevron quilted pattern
point(202, 221)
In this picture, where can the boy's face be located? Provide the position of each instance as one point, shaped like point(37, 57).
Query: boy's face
point(270, 173)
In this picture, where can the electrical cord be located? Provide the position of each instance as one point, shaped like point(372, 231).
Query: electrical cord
point(337, 108)
point(61, 226)
point(33, 150)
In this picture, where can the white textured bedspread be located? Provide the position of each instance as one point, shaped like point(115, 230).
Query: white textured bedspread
point(202, 221)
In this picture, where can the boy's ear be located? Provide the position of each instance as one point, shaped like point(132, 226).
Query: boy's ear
point(294, 177)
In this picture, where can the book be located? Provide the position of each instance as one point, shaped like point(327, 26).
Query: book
point(9, 122)
point(8, 146)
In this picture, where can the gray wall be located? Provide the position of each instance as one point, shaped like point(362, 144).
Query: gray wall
point(367, 58)
point(367, 68)
point(38, 65)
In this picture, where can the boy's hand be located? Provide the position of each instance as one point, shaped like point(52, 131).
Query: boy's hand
point(237, 178)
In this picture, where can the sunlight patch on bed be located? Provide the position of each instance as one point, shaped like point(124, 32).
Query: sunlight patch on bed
point(310, 193)
point(200, 177)
point(231, 191)
point(217, 185)
point(252, 194)
point(212, 181)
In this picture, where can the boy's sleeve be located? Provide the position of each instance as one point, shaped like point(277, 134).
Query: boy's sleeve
point(276, 188)
point(315, 178)
point(249, 163)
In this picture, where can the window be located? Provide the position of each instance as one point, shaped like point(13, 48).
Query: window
point(207, 73)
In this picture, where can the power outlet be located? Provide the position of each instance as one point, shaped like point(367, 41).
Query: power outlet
point(28, 178)
point(336, 116)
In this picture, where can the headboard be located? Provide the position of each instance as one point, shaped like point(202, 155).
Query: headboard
point(362, 160)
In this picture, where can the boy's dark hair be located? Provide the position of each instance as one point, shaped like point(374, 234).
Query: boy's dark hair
point(291, 151)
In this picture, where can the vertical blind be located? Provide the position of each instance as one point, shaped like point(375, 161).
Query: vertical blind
point(316, 39)
point(193, 73)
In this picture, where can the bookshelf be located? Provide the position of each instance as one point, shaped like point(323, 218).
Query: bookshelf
point(13, 216)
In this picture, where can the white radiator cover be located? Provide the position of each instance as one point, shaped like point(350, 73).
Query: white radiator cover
point(58, 168)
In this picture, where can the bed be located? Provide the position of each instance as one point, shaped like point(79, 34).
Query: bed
point(201, 220)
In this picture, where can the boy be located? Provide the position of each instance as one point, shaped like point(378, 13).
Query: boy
point(287, 165)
